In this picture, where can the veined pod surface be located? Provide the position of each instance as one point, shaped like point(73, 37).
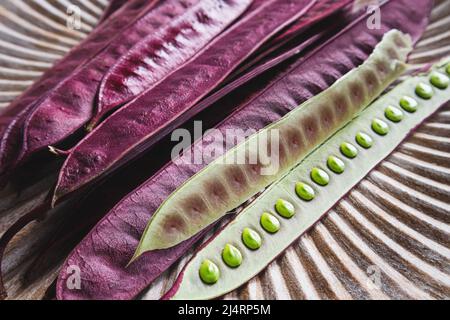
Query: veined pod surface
point(111, 9)
point(10, 143)
point(189, 285)
point(300, 131)
point(324, 15)
point(141, 120)
point(106, 250)
point(69, 105)
point(20, 108)
point(96, 41)
point(73, 100)
point(146, 63)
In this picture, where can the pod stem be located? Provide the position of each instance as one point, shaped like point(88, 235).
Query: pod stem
point(91, 125)
point(59, 152)
point(21, 223)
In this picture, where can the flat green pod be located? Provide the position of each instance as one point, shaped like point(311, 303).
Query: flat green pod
point(190, 286)
point(221, 186)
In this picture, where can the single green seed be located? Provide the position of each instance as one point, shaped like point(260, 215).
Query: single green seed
point(285, 208)
point(320, 177)
point(364, 140)
point(251, 239)
point(270, 223)
point(231, 256)
point(394, 114)
point(304, 191)
point(409, 104)
point(380, 127)
point(439, 80)
point(424, 91)
point(349, 150)
point(335, 164)
point(209, 272)
point(448, 68)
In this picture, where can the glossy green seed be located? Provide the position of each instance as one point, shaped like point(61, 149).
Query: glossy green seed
point(380, 127)
point(448, 69)
point(285, 208)
point(320, 177)
point(231, 256)
point(305, 191)
point(408, 104)
point(251, 239)
point(270, 223)
point(364, 140)
point(439, 80)
point(348, 150)
point(209, 272)
point(394, 114)
point(424, 91)
point(335, 164)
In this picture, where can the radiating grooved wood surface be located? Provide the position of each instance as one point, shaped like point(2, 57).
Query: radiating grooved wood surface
point(394, 227)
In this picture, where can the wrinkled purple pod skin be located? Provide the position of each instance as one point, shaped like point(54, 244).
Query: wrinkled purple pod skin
point(144, 65)
point(153, 112)
point(112, 7)
point(132, 75)
point(106, 250)
point(80, 54)
point(71, 105)
point(15, 114)
point(68, 106)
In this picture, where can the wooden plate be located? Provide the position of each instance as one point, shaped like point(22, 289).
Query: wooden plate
point(388, 239)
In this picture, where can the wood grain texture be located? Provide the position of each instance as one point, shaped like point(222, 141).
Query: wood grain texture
point(388, 239)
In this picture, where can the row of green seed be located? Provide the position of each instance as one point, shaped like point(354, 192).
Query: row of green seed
point(209, 271)
point(423, 90)
point(232, 256)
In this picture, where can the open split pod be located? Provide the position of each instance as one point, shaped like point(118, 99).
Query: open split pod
point(105, 252)
point(296, 201)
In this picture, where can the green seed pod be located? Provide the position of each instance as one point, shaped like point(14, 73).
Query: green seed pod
point(209, 272)
point(380, 127)
point(251, 239)
point(270, 223)
point(394, 114)
point(448, 69)
point(348, 150)
point(424, 91)
point(217, 188)
point(320, 177)
point(285, 208)
point(231, 256)
point(324, 200)
point(409, 104)
point(305, 191)
point(364, 140)
point(335, 164)
point(439, 80)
